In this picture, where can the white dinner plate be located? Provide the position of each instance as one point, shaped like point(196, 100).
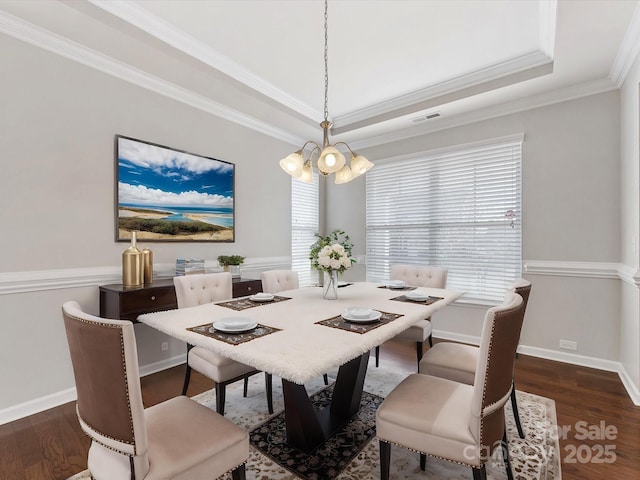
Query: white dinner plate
point(235, 324)
point(395, 284)
point(261, 298)
point(358, 312)
point(417, 296)
point(375, 315)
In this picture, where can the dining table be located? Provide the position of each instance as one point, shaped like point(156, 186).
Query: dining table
point(298, 335)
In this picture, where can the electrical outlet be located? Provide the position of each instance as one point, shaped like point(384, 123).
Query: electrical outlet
point(568, 345)
point(164, 346)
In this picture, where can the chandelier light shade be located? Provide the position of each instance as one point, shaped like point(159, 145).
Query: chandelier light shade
point(328, 158)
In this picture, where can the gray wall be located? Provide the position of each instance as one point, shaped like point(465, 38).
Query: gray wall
point(571, 213)
point(58, 123)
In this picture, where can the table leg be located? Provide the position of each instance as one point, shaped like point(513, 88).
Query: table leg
point(308, 428)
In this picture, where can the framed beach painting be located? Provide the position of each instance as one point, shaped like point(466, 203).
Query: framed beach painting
point(169, 195)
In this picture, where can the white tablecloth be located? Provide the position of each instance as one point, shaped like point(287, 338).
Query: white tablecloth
point(302, 350)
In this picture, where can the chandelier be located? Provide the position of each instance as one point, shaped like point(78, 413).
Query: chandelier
point(328, 159)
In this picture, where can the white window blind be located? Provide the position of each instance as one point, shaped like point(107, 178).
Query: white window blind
point(459, 209)
point(304, 225)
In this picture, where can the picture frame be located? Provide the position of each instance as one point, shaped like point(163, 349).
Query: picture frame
point(169, 195)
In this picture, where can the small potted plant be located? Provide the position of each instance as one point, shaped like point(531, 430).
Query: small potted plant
point(231, 263)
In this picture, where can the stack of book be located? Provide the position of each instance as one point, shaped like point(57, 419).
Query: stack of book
point(189, 266)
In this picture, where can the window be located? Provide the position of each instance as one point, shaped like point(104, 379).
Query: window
point(458, 209)
point(304, 225)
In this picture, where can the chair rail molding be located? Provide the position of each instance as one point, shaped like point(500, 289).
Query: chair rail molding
point(38, 280)
point(610, 270)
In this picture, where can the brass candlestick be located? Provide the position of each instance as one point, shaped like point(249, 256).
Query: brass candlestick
point(132, 265)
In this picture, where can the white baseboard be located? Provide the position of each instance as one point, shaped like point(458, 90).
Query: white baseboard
point(162, 365)
point(632, 388)
point(37, 405)
point(564, 357)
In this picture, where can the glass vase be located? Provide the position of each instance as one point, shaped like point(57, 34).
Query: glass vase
point(330, 285)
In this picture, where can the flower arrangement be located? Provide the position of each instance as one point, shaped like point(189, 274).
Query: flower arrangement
point(332, 252)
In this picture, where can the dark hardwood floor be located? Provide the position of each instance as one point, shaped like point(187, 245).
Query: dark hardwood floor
point(51, 446)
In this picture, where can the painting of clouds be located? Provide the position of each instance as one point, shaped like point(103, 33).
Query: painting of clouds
point(170, 195)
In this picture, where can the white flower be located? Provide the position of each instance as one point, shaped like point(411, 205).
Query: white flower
point(332, 256)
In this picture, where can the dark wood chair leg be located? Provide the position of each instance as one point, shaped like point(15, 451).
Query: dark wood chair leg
point(385, 460)
point(480, 473)
point(419, 350)
point(187, 378)
point(516, 415)
point(430, 339)
point(239, 473)
point(268, 383)
point(378, 356)
point(423, 462)
point(505, 455)
point(187, 374)
point(245, 391)
point(326, 379)
point(220, 396)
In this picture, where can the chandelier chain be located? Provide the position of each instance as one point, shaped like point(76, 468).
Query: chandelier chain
point(326, 157)
point(326, 61)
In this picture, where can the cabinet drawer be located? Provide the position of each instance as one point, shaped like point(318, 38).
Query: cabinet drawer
point(244, 288)
point(148, 300)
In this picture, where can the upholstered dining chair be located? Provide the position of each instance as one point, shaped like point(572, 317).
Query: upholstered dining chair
point(452, 420)
point(417, 276)
point(274, 281)
point(193, 290)
point(176, 439)
point(458, 362)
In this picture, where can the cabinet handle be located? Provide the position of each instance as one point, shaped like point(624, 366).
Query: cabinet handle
point(153, 297)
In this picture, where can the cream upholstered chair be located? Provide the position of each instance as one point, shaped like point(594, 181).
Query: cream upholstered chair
point(457, 361)
point(452, 420)
point(193, 290)
point(274, 281)
point(417, 276)
point(176, 439)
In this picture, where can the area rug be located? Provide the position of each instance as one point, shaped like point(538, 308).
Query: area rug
point(536, 457)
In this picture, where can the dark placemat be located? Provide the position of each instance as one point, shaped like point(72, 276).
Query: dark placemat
point(357, 327)
point(428, 301)
point(332, 457)
point(233, 338)
point(403, 289)
point(245, 302)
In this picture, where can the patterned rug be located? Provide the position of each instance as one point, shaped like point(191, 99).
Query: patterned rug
point(353, 455)
point(328, 460)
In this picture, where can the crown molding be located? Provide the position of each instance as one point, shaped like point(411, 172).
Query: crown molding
point(157, 27)
point(518, 69)
point(552, 97)
point(71, 50)
point(628, 51)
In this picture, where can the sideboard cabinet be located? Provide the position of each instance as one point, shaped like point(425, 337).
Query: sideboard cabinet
point(126, 303)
